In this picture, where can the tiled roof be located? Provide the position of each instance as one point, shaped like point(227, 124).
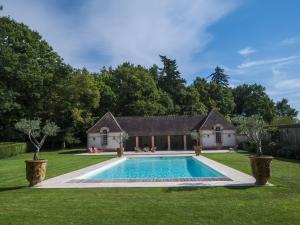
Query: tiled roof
point(161, 125)
point(109, 121)
point(214, 118)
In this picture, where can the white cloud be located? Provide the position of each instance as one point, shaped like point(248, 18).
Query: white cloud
point(117, 31)
point(290, 41)
point(264, 62)
point(288, 84)
point(246, 51)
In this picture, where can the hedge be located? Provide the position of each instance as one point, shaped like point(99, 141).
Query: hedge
point(8, 149)
point(274, 149)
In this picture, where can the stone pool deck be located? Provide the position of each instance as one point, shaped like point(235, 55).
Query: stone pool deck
point(77, 178)
point(158, 153)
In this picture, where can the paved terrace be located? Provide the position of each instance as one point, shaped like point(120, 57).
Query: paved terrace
point(157, 153)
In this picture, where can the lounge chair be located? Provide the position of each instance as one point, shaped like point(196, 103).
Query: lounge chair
point(146, 149)
point(153, 149)
point(137, 149)
point(92, 150)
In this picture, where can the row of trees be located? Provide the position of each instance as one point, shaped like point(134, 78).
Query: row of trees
point(36, 83)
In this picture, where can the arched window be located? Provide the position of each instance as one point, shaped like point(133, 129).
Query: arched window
point(104, 137)
point(218, 135)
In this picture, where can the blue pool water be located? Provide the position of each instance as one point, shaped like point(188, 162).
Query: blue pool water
point(158, 167)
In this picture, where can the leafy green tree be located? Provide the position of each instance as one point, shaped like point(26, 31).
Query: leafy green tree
point(78, 99)
point(213, 96)
point(30, 70)
point(222, 98)
point(166, 101)
point(154, 72)
point(283, 109)
point(219, 77)
point(251, 100)
point(190, 102)
point(34, 130)
point(284, 120)
point(108, 101)
point(136, 91)
point(203, 88)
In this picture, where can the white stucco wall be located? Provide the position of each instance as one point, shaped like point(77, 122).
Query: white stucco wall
point(208, 138)
point(95, 140)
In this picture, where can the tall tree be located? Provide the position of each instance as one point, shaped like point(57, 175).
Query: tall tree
point(109, 97)
point(222, 98)
point(30, 70)
point(203, 88)
point(214, 96)
point(219, 77)
point(253, 99)
point(190, 102)
point(154, 72)
point(170, 79)
point(76, 102)
point(137, 92)
point(283, 109)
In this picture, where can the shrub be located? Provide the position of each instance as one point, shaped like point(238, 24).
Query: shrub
point(9, 149)
point(271, 148)
point(249, 146)
point(297, 152)
point(289, 151)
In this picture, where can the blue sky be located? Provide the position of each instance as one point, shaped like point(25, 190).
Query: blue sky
point(255, 41)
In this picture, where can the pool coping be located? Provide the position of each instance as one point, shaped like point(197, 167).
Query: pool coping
point(74, 179)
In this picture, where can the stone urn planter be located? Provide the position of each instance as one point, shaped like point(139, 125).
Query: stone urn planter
point(120, 152)
point(261, 168)
point(197, 150)
point(35, 171)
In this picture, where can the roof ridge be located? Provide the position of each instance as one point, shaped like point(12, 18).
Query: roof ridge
point(115, 120)
point(108, 114)
point(208, 115)
point(159, 116)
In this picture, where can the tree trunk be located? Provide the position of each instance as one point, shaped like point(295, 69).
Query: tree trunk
point(259, 148)
point(36, 154)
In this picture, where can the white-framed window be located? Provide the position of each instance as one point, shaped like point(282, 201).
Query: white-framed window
point(104, 137)
point(218, 135)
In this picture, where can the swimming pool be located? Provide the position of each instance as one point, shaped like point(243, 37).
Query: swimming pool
point(155, 168)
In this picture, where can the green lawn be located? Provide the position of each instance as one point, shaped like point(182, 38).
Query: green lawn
point(279, 204)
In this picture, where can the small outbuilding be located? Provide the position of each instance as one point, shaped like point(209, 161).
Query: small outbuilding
point(165, 132)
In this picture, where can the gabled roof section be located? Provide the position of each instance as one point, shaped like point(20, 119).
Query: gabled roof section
point(109, 121)
point(160, 125)
point(213, 118)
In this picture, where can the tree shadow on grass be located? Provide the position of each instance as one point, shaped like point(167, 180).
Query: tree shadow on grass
point(4, 189)
point(191, 188)
point(73, 151)
point(288, 160)
point(181, 189)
